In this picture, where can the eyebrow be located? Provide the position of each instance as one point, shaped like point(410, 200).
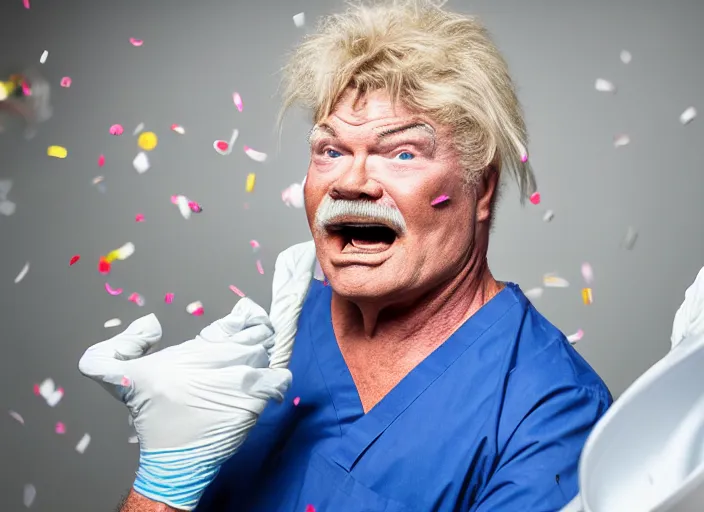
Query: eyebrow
point(380, 135)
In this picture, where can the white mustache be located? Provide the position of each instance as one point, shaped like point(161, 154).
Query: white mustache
point(331, 211)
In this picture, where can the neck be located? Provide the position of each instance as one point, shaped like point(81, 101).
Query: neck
point(430, 318)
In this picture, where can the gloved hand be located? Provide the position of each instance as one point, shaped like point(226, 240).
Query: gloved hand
point(689, 319)
point(194, 403)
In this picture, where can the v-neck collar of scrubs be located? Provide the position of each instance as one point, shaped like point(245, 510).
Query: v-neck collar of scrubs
point(357, 429)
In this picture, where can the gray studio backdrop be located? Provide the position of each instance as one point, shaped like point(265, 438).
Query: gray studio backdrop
point(194, 56)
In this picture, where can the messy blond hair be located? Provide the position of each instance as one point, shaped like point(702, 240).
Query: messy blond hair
point(436, 62)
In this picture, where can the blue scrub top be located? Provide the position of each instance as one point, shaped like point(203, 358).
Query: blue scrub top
point(493, 420)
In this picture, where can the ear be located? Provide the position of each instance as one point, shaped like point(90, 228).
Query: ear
point(486, 191)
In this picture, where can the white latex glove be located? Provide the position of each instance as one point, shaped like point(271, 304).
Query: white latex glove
point(194, 403)
point(689, 319)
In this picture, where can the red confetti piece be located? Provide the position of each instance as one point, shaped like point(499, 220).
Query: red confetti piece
point(104, 265)
point(260, 269)
point(101, 160)
point(439, 200)
point(36, 389)
point(111, 290)
point(139, 217)
point(297, 400)
point(116, 129)
point(74, 260)
point(236, 290)
point(310, 508)
point(535, 198)
point(169, 298)
point(60, 428)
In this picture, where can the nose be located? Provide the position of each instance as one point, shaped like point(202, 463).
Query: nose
point(356, 184)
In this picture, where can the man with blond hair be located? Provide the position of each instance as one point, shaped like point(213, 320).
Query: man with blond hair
point(417, 381)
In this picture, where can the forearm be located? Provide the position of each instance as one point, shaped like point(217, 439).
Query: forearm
point(135, 502)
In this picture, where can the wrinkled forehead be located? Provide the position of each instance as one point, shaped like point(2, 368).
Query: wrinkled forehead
point(378, 131)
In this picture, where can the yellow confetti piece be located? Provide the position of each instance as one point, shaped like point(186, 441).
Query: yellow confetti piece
point(250, 181)
point(147, 141)
point(587, 296)
point(57, 151)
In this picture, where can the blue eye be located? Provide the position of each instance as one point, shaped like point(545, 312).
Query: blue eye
point(406, 156)
point(332, 153)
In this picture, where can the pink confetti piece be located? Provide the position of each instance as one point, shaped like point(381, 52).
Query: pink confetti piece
point(195, 308)
point(260, 269)
point(66, 81)
point(535, 198)
point(195, 207)
point(310, 508)
point(139, 217)
point(136, 42)
point(60, 428)
point(574, 338)
point(524, 157)
point(116, 129)
point(74, 260)
point(169, 298)
point(36, 390)
point(112, 291)
point(297, 400)
point(178, 129)
point(223, 147)
point(439, 200)
point(137, 299)
point(174, 199)
point(237, 99)
point(101, 160)
point(17, 417)
point(26, 90)
point(26, 4)
point(587, 273)
point(254, 244)
point(236, 290)
point(125, 382)
point(257, 156)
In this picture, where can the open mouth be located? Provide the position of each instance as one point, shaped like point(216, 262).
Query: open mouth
point(363, 238)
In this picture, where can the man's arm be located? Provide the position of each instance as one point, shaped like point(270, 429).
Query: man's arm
point(537, 470)
point(135, 502)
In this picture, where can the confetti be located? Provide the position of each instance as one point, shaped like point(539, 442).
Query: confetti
point(57, 151)
point(195, 308)
point(255, 245)
point(297, 400)
point(112, 291)
point(116, 129)
point(299, 19)
point(621, 140)
point(178, 129)
point(66, 81)
point(626, 56)
point(629, 241)
point(16, 416)
point(236, 290)
point(139, 217)
point(553, 281)
point(30, 492)
point(250, 182)
point(318, 272)
point(83, 443)
point(195, 207)
point(125, 382)
point(548, 216)
point(60, 428)
point(136, 42)
point(169, 298)
point(534, 293)
point(113, 322)
point(688, 115)
point(439, 200)
point(104, 265)
point(535, 198)
point(587, 296)
point(137, 299)
point(182, 203)
point(224, 148)
point(22, 273)
point(587, 273)
point(74, 260)
point(237, 99)
point(147, 141)
point(7, 208)
point(133, 439)
point(121, 253)
point(26, 4)
point(310, 508)
point(45, 55)
point(260, 269)
point(138, 129)
point(293, 196)
point(257, 156)
point(49, 392)
point(141, 163)
point(101, 160)
point(55, 397)
point(603, 85)
point(574, 338)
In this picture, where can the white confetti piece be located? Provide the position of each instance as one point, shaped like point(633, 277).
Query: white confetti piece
point(223, 147)
point(183, 207)
point(629, 241)
point(548, 216)
point(139, 128)
point(22, 273)
point(553, 281)
point(17, 417)
point(125, 251)
point(621, 140)
point(7, 208)
point(133, 439)
point(688, 115)
point(178, 129)
point(318, 272)
point(46, 388)
point(587, 273)
point(603, 85)
point(534, 293)
point(257, 156)
point(299, 19)
point(83, 443)
point(141, 163)
point(30, 492)
point(293, 196)
point(5, 187)
point(45, 55)
point(574, 338)
point(113, 322)
point(54, 399)
point(195, 308)
point(626, 56)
